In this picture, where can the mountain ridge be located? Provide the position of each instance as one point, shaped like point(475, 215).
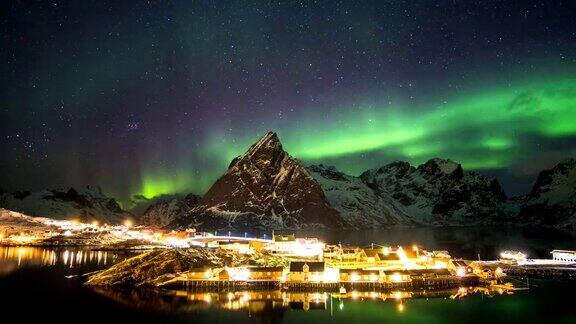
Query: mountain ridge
point(267, 188)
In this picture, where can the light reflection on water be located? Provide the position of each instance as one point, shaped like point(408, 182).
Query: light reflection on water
point(12, 258)
point(182, 301)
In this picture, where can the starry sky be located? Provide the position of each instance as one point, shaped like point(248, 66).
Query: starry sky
point(156, 97)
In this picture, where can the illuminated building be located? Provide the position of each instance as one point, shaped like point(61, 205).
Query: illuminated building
point(290, 246)
point(460, 268)
point(199, 274)
point(373, 255)
point(396, 276)
point(359, 275)
point(513, 256)
point(306, 271)
point(265, 273)
point(564, 255)
point(352, 254)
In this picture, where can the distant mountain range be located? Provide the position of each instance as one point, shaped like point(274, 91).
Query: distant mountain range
point(266, 188)
point(86, 204)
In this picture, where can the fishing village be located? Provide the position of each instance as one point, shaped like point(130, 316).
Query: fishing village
point(285, 262)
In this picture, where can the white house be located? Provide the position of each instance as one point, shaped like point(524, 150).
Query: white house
point(564, 255)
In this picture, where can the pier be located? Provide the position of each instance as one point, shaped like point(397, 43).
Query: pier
point(232, 285)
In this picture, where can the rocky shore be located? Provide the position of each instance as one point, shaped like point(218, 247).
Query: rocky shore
point(156, 268)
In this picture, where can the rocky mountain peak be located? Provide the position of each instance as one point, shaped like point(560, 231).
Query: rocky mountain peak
point(547, 178)
point(265, 187)
point(266, 144)
point(440, 167)
point(265, 155)
point(552, 200)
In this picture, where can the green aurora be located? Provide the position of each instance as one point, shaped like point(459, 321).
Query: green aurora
point(486, 130)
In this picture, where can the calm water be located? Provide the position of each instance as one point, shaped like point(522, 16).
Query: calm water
point(34, 286)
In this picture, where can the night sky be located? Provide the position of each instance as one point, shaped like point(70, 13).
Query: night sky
point(157, 97)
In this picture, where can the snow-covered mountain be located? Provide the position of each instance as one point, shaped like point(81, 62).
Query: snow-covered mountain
point(163, 210)
point(86, 204)
point(439, 192)
point(264, 188)
point(360, 205)
point(552, 201)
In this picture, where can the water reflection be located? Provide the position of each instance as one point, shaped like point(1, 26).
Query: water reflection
point(12, 258)
point(254, 302)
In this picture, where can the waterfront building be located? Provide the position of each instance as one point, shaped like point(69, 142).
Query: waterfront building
point(373, 255)
point(331, 252)
point(359, 275)
point(564, 255)
point(396, 276)
point(265, 273)
point(290, 246)
point(199, 274)
point(352, 254)
point(312, 271)
point(223, 275)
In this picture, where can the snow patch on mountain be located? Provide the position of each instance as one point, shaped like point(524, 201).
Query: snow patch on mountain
point(359, 205)
point(552, 201)
point(85, 204)
point(439, 192)
point(162, 210)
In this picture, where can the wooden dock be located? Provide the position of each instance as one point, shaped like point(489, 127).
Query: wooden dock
point(231, 285)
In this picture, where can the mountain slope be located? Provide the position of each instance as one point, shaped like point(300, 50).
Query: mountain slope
point(264, 188)
point(359, 205)
point(552, 201)
point(439, 192)
point(86, 204)
point(163, 210)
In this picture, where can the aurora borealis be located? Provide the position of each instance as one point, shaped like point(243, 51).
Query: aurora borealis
point(156, 98)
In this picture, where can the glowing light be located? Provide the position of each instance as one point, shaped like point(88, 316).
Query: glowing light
point(354, 277)
point(461, 271)
point(207, 274)
point(331, 275)
point(396, 277)
point(404, 258)
point(513, 255)
point(239, 274)
point(128, 223)
point(68, 233)
point(355, 294)
point(373, 277)
point(175, 242)
point(498, 272)
point(400, 307)
point(440, 265)
point(208, 298)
